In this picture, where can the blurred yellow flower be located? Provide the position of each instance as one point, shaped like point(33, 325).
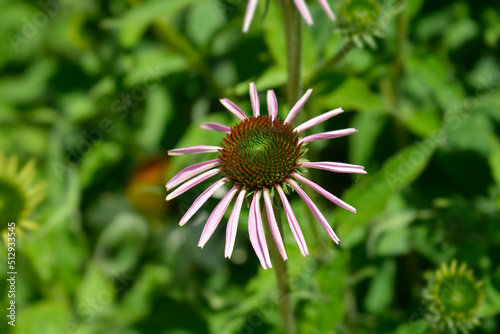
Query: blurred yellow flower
point(19, 195)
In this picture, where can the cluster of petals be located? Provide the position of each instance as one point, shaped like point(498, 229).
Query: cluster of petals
point(301, 6)
point(197, 173)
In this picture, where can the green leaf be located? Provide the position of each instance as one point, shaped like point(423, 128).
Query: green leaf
point(28, 86)
point(460, 32)
point(491, 304)
point(95, 293)
point(137, 301)
point(494, 159)
point(137, 20)
point(362, 144)
point(158, 113)
point(101, 155)
point(274, 34)
point(370, 195)
point(212, 20)
point(433, 71)
point(353, 93)
point(122, 242)
point(326, 310)
point(46, 316)
point(470, 131)
point(381, 290)
point(389, 235)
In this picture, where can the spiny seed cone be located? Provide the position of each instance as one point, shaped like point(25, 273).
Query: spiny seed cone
point(260, 152)
point(360, 13)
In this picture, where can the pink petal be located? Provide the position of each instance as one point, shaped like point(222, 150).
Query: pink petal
point(272, 104)
point(232, 107)
point(254, 98)
point(336, 169)
point(252, 5)
point(301, 6)
point(319, 119)
point(232, 224)
point(191, 183)
point(215, 217)
point(296, 108)
point(190, 172)
point(215, 127)
point(194, 150)
point(325, 193)
point(292, 221)
point(319, 216)
point(333, 164)
point(198, 203)
point(327, 9)
point(328, 135)
point(256, 232)
point(274, 225)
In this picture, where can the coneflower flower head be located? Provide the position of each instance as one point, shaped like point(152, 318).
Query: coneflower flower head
point(453, 297)
point(259, 157)
point(361, 21)
point(19, 196)
point(301, 6)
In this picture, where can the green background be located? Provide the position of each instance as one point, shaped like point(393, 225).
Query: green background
point(98, 92)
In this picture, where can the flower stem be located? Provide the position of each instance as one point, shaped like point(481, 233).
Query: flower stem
point(293, 35)
point(280, 269)
point(326, 65)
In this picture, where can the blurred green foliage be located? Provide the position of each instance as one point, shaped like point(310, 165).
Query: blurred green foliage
point(98, 91)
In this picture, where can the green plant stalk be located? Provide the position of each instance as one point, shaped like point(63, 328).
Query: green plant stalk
point(333, 61)
point(293, 36)
point(280, 268)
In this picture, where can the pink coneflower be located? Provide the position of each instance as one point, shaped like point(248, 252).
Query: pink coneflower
point(259, 158)
point(301, 6)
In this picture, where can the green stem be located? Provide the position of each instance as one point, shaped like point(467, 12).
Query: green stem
point(293, 36)
point(281, 271)
point(326, 65)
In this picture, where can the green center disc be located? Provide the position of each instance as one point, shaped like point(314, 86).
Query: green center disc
point(260, 152)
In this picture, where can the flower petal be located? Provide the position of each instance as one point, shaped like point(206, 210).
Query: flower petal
point(232, 224)
point(292, 221)
point(198, 203)
point(272, 104)
point(256, 232)
point(254, 98)
point(324, 192)
point(301, 6)
point(232, 107)
point(296, 108)
point(317, 120)
point(328, 135)
point(215, 127)
point(326, 7)
point(274, 225)
point(333, 168)
point(215, 217)
point(333, 164)
point(191, 183)
point(319, 216)
point(194, 150)
point(190, 172)
point(252, 5)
